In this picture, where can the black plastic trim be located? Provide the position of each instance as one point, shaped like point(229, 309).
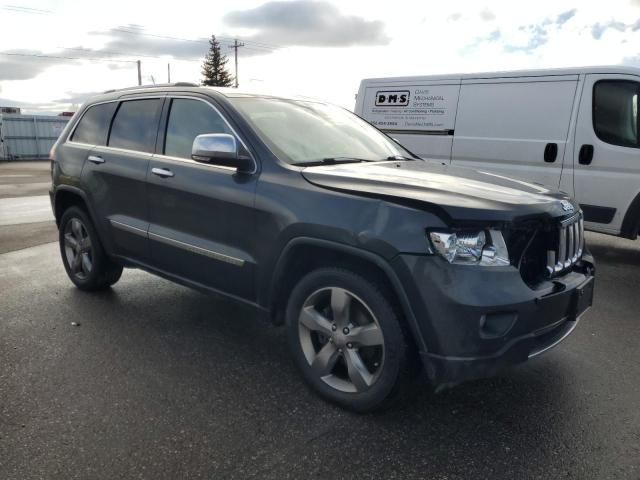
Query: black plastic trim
point(598, 214)
point(363, 254)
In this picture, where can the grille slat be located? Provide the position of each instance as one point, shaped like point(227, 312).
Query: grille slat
point(581, 243)
point(570, 245)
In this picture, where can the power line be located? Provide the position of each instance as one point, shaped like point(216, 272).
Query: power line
point(59, 57)
point(108, 52)
point(255, 45)
point(19, 9)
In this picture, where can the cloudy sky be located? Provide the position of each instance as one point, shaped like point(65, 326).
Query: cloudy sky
point(55, 53)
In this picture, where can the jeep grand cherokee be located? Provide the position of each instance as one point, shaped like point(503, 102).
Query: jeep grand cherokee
point(372, 257)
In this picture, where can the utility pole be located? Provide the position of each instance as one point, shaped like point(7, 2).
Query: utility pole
point(168, 73)
point(235, 47)
point(139, 73)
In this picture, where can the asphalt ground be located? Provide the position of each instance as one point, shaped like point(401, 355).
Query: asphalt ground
point(158, 381)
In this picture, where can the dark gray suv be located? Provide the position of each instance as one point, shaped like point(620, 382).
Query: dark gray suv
point(381, 264)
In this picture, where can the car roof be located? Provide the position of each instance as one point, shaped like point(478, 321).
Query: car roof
point(185, 87)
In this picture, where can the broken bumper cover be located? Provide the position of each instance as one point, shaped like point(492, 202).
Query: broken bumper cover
point(476, 322)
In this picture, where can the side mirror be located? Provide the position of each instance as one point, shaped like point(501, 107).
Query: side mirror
point(220, 149)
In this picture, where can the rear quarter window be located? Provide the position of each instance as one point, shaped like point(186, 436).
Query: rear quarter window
point(94, 124)
point(135, 125)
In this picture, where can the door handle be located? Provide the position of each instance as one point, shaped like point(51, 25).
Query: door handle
point(551, 152)
point(162, 172)
point(585, 156)
point(95, 159)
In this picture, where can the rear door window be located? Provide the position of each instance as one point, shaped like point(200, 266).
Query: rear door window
point(187, 120)
point(615, 112)
point(94, 124)
point(135, 125)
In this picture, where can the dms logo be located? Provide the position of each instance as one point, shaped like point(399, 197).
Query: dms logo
point(395, 98)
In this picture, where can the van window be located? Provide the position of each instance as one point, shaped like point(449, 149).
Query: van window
point(94, 124)
point(135, 125)
point(615, 112)
point(187, 120)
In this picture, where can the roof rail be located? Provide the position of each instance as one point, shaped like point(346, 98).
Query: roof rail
point(158, 85)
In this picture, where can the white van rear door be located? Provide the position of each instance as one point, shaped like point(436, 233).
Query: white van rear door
point(516, 127)
point(420, 115)
point(606, 160)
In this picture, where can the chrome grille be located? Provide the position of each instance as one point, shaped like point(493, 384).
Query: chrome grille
point(570, 245)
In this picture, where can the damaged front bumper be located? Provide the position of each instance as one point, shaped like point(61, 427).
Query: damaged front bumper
point(475, 322)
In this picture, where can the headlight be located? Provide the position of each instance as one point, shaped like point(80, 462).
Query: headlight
point(477, 248)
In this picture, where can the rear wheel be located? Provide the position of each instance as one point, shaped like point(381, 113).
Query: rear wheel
point(347, 339)
point(84, 259)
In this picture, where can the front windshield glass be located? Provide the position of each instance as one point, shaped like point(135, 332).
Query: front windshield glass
point(300, 131)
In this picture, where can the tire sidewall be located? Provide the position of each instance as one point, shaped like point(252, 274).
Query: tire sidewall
point(394, 342)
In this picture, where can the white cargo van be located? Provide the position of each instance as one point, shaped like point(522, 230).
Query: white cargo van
point(576, 129)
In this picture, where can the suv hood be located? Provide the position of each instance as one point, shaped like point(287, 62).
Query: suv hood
point(462, 194)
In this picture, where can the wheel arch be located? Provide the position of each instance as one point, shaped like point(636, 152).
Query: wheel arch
point(631, 222)
point(303, 254)
point(67, 196)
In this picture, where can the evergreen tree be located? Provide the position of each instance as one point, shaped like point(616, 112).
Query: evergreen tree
point(214, 67)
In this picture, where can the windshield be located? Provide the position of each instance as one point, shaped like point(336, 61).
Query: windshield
point(302, 132)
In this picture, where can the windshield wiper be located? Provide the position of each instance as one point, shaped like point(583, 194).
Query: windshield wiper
point(330, 161)
point(399, 157)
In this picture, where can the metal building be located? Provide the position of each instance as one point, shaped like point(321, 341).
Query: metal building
point(28, 137)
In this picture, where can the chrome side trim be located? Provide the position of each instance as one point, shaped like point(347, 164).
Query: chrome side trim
point(177, 243)
point(199, 250)
point(193, 162)
point(128, 228)
point(161, 156)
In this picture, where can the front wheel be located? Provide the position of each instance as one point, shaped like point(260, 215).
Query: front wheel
point(347, 340)
point(84, 259)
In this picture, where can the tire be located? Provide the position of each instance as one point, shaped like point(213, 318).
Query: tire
point(83, 256)
point(331, 344)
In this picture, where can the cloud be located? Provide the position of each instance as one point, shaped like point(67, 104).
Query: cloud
point(633, 61)
point(537, 38)
point(566, 16)
point(20, 64)
point(307, 23)
point(75, 98)
point(492, 37)
point(66, 103)
point(134, 41)
point(454, 17)
point(599, 28)
point(487, 15)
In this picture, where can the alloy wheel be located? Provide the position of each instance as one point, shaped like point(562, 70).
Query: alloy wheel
point(341, 339)
point(78, 248)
